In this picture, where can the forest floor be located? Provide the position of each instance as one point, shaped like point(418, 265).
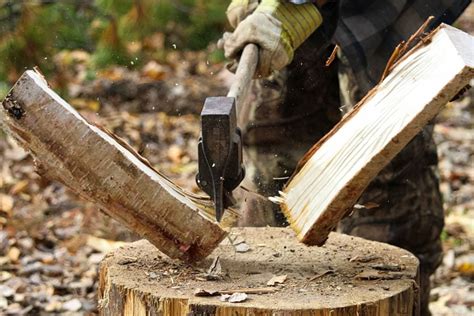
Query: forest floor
point(51, 242)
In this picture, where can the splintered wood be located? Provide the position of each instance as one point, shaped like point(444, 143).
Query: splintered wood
point(103, 169)
point(335, 172)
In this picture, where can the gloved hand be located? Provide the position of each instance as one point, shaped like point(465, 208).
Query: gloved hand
point(278, 28)
point(239, 10)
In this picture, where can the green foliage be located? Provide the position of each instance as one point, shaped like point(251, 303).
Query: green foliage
point(113, 31)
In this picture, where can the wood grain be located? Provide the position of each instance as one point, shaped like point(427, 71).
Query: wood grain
point(319, 280)
point(100, 167)
point(335, 172)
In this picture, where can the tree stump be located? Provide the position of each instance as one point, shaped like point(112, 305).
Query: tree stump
point(347, 276)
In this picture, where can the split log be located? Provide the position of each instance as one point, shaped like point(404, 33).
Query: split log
point(348, 276)
point(335, 172)
point(102, 168)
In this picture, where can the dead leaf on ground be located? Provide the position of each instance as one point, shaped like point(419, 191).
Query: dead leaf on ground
point(14, 254)
point(154, 71)
point(465, 265)
point(6, 203)
point(103, 245)
point(85, 104)
point(19, 187)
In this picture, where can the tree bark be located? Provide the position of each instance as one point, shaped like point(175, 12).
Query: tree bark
point(347, 276)
point(335, 172)
point(102, 168)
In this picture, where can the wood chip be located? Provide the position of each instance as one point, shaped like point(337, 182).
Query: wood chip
point(215, 270)
point(366, 206)
point(224, 297)
point(256, 290)
point(277, 279)
point(380, 275)
point(127, 260)
point(321, 275)
point(73, 305)
point(364, 259)
point(242, 247)
point(205, 293)
point(387, 267)
point(237, 298)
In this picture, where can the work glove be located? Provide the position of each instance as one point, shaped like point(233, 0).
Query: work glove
point(277, 28)
point(239, 10)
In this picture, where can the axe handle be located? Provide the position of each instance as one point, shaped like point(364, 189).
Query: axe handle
point(243, 77)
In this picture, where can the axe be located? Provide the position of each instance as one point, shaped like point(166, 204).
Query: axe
point(220, 163)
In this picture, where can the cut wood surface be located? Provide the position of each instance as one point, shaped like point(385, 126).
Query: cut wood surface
point(348, 276)
point(335, 172)
point(103, 169)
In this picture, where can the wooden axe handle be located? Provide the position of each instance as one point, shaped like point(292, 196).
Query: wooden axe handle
point(243, 77)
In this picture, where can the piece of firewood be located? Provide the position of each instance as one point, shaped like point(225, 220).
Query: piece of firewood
point(319, 280)
point(335, 172)
point(103, 169)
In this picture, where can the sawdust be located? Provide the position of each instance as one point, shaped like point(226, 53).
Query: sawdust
point(283, 255)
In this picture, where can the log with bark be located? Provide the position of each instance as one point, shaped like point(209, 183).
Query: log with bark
point(335, 172)
point(272, 274)
point(102, 168)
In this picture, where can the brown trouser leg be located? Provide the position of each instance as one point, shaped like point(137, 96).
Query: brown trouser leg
point(293, 109)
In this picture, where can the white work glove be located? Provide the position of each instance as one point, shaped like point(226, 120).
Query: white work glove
point(277, 28)
point(238, 10)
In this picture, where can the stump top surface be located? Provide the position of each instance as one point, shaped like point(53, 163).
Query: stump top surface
point(344, 272)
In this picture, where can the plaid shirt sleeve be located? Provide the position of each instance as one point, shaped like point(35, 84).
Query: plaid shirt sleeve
point(369, 30)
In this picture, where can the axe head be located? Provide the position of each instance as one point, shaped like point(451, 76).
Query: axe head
point(220, 152)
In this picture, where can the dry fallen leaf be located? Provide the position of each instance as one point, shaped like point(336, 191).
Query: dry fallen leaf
point(103, 245)
point(465, 265)
point(175, 153)
point(14, 254)
point(277, 279)
point(154, 71)
point(6, 203)
point(19, 187)
point(85, 104)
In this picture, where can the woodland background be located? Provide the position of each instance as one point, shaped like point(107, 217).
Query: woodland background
point(142, 68)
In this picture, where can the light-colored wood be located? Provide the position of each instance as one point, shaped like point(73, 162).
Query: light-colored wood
point(341, 278)
point(103, 169)
point(334, 173)
point(242, 80)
